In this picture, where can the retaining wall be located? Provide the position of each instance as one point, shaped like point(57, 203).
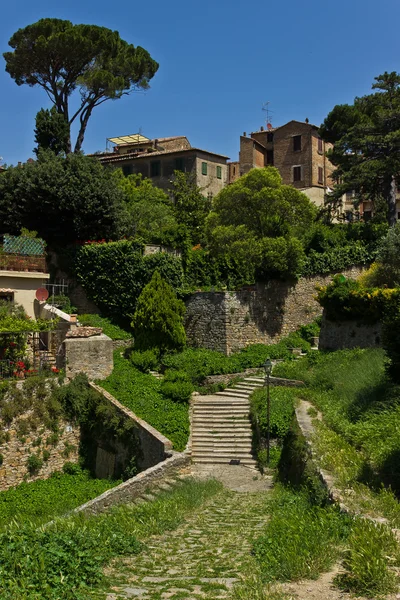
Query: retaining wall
point(230, 321)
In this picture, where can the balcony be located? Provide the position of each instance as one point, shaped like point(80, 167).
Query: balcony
point(22, 253)
point(18, 262)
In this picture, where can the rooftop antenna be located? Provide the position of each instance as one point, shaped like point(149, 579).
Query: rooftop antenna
point(265, 108)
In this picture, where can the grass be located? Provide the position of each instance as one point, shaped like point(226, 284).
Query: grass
point(42, 500)
point(372, 548)
point(301, 540)
point(358, 403)
point(115, 332)
point(66, 559)
point(142, 394)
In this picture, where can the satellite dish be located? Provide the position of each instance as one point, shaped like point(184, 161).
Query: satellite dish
point(42, 294)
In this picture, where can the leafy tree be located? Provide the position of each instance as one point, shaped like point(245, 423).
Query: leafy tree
point(151, 209)
point(256, 222)
point(61, 58)
point(190, 205)
point(51, 132)
point(63, 199)
point(366, 145)
point(267, 208)
point(158, 319)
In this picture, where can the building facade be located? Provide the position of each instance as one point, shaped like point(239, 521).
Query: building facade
point(157, 159)
point(296, 150)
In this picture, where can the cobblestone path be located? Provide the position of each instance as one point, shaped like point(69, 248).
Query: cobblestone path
point(202, 559)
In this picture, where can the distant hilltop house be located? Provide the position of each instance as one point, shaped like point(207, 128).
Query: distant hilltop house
point(159, 158)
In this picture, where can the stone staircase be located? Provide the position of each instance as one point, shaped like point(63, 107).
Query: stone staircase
point(221, 429)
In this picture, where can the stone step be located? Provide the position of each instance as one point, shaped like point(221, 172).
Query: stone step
point(222, 414)
point(245, 387)
point(227, 445)
point(224, 454)
point(244, 435)
point(231, 394)
point(224, 460)
point(227, 424)
point(235, 390)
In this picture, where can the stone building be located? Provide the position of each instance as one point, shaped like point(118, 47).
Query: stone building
point(159, 158)
point(296, 150)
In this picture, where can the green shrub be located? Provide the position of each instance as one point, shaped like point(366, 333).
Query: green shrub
point(177, 386)
point(34, 463)
point(158, 319)
point(145, 361)
point(109, 328)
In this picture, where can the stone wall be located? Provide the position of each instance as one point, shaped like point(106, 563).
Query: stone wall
point(230, 321)
point(349, 334)
point(90, 355)
point(154, 447)
point(137, 486)
point(15, 449)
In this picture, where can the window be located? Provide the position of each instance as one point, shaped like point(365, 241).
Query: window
point(179, 164)
point(320, 146)
point(219, 172)
point(296, 143)
point(296, 173)
point(320, 175)
point(127, 170)
point(155, 168)
point(7, 295)
point(367, 215)
point(398, 216)
point(270, 157)
point(270, 137)
point(204, 168)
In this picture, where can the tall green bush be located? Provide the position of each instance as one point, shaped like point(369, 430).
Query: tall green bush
point(158, 319)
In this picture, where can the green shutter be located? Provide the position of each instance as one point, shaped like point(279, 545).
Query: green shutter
point(204, 168)
point(219, 172)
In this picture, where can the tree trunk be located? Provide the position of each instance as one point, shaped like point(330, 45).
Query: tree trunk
point(392, 210)
point(85, 116)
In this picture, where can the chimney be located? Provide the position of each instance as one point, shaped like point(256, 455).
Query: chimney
point(261, 128)
point(244, 134)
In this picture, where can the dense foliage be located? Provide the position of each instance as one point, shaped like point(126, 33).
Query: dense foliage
point(63, 199)
point(158, 319)
point(117, 296)
point(366, 145)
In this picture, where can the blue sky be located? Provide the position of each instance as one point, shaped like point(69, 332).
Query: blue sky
point(219, 61)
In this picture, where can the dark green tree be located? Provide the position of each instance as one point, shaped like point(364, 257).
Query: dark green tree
point(366, 145)
point(63, 58)
point(51, 131)
point(158, 319)
point(190, 205)
point(63, 199)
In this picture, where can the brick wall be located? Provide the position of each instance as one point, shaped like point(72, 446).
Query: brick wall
point(230, 321)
